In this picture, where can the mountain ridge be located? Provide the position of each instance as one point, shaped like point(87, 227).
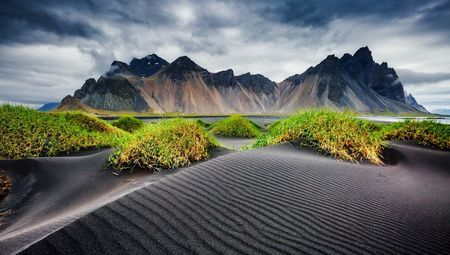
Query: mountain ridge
point(352, 81)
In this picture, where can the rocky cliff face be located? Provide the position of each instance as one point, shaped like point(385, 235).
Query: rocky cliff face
point(257, 83)
point(411, 101)
point(184, 86)
point(147, 66)
point(355, 82)
point(152, 84)
point(111, 93)
point(144, 67)
point(381, 78)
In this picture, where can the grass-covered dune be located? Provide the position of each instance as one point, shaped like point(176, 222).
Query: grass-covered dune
point(171, 143)
point(337, 133)
point(346, 137)
point(128, 123)
point(167, 144)
point(26, 133)
point(235, 126)
point(427, 133)
point(178, 142)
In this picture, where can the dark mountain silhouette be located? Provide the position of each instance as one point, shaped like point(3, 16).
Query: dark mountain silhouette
point(152, 84)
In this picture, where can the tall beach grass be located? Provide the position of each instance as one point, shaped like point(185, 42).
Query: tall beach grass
point(167, 144)
point(235, 126)
point(340, 134)
point(27, 133)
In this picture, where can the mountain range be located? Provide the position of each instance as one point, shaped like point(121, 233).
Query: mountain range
point(151, 84)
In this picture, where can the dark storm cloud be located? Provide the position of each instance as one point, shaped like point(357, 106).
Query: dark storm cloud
point(24, 21)
point(28, 21)
point(437, 16)
point(49, 47)
point(46, 20)
point(321, 12)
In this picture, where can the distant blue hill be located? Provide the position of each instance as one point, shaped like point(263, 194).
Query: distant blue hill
point(442, 111)
point(48, 107)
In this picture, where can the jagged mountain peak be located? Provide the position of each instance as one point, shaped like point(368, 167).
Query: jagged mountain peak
point(411, 101)
point(363, 51)
point(152, 56)
point(353, 81)
point(223, 78)
point(147, 65)
point(257, 83)
point(117, 67)
point(364, 56)
point(255, 76)
point(228, 72)
point(181, 66)
point(186, 64)
point(119, 63)
point(330, 62)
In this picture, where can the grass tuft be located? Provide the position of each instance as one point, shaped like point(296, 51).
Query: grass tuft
point(426, 132)
point(235, 126)
point(337, 133)
point(167, 144)
point(203, 123)
point(27, 133)
point(128, 123)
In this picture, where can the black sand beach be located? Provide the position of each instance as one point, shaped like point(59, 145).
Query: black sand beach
point(49, 193)
point(275, 200)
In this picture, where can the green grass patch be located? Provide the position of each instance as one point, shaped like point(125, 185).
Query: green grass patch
point(340, 134)
point(167, 144)
point(27, 133)
point(203, 124)
point(426, 132)
point(128, 123)
point(235, 126)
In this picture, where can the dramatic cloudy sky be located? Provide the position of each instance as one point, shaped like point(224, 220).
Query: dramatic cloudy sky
point(49, 47)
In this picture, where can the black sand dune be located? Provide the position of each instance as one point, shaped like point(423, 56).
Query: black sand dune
point(277, 200)
point(49, 193)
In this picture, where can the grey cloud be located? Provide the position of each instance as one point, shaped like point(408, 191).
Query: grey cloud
point(28, 21)
point(201, 45)
point(44, 21)
point(437, 16)
point(275, 38)
point(320, 12)
point(412, 77)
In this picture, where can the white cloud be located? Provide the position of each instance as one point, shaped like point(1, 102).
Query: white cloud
point(41, 73)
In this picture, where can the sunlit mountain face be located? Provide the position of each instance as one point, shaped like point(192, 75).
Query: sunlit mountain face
point(354, 82)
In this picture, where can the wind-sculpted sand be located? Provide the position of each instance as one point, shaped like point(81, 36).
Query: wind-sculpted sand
point(274, 200)
point(49, 193)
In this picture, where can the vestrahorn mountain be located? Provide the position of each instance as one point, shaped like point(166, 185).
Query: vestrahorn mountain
point(151, 84)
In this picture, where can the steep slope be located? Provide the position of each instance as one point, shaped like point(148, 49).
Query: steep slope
point(111, 93)
point(151, 84)
point(410, 100)
point(355, 82)
point(184, 86)
point(69, 103)
point(147, 66)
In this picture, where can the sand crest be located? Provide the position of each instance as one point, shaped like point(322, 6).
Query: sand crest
point(275, 200)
